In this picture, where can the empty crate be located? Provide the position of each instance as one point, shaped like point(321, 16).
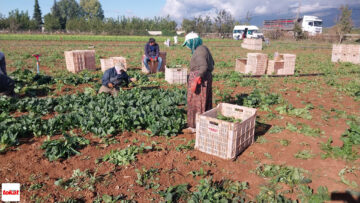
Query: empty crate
point(79, 60)
point(222, 138)
point(252, 44)
point(346, 53)
point(284, 65)
point(255, 64)
point(153, 65)
point(176, 75)
point(110, 62)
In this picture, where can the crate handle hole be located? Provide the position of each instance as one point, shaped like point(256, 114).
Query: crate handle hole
point(239, 110)
point(214, 123)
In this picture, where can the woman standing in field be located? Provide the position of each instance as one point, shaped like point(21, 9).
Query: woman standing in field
point(199, 95)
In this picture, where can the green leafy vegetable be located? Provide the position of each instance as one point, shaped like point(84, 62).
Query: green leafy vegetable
point(64, 147)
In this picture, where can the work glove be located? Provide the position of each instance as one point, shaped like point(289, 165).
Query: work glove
point(196, 82)
point(156, 58)
point(151, 59)
point(110, 85)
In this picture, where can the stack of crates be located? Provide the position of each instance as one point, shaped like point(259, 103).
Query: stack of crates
point(346, 53)
point(110, 62)
point(222, 138)
point(285, 65)
point(79, 60)
point(176, 75)
point(255, 64)
point(252, 44)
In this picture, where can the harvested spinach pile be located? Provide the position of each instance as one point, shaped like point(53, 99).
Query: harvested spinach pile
point(229, 119)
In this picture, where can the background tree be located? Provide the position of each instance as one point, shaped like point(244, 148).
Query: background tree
point(4, 23)
point(248, 18)
point(344, 23)
point(55, 12)
point(188, 25)
point(65, 10)
point(224, 22)
point(92, 9)
point(18, 20)
point(207, 24)
point(298, 32)
point(37, 14)
point(51, 23)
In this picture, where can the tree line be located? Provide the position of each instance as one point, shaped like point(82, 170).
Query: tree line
point(88, 16)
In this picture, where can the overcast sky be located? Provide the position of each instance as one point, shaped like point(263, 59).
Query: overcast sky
point(238, 8)
point(179, 9)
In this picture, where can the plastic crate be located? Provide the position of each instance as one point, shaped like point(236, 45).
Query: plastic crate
point(176, 75)
point(153, 65)
point(225, 139)
point(79, 60)
point(240, 65)
point(255, 64)
point(252, 44)
point(284, 66)
point(346, 53)
point(110, 62)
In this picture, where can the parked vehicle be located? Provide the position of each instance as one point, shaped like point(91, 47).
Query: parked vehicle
point(310, 24)
point(252, 32)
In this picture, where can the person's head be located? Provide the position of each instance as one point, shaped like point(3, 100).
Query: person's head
point(192, 41)
point(152, 41)
point(120, 67)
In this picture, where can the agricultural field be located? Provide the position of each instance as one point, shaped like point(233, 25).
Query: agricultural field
point(65, 143)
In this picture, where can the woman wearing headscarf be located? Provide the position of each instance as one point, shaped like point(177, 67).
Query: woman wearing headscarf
point(199, 95)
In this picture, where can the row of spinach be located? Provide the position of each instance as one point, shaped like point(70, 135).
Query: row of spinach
point(30, 84)
point(156, 110)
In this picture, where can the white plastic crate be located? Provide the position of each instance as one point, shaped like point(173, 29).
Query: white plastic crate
point(346, 53)
point(240, 65)
point(254, 64)
point(222, 138)
point(110, 62)
point(176, 75)
point(79, 60)
point(252, 44)
point(284, 66)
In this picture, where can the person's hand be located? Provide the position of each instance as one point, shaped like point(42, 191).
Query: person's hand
point(196, 82)
point(110, 85)
point(133, 79)
point(156, 58)
point(151, 59)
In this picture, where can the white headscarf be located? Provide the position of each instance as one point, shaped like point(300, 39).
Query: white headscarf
point(119, 66)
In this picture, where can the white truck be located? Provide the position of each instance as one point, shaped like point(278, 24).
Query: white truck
point(309, 24)
point(252, 32)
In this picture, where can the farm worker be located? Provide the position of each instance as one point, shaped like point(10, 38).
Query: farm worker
point(114, 78)
point(199, 95)
point(6, 83)
point(152, 52)
point(245, 33)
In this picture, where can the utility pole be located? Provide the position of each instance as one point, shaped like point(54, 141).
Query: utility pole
point(298, 13)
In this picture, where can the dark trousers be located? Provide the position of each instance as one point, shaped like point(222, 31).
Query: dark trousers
point(6, 83)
